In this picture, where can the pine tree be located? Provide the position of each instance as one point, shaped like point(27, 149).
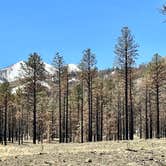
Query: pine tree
point(80, 99)
point(82, 111)
point(150, 117)
point(126, 51)
point(5, 93)
point(66, 106)
point(58, 63)
point(88, 66)
point(146, 113)
point(34, 72)
point(158, 71)
point(101, 110)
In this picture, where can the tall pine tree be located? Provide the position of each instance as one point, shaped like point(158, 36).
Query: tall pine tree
point(34, 72)
point(88, 63)
point(158, 72)
point(126, 51)
point(58, 63)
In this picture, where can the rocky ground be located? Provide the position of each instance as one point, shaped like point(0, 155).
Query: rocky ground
point(123, 153)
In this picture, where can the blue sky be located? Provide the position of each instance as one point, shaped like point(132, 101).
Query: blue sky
point(70, 26)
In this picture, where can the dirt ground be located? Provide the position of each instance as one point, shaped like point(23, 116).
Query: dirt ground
point(123, 153)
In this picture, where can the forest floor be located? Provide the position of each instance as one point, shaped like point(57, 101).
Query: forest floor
point(122, 153)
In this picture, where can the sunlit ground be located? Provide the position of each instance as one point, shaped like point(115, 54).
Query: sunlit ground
point(137, 152)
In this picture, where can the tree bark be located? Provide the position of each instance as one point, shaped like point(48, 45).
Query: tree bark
point(5, 127)
point(146, 114)
point(150, 118)
point(82, 112)
point(60, 118)
point(67, 106)
point(158, 111)
point(126, 92)
point(131, 109)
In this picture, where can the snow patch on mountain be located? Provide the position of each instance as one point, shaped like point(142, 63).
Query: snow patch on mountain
point(14, 72)
point(11, 73)
point(73, 68)
point(50, 69)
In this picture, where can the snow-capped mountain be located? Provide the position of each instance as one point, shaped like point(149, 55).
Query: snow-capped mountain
point(73, 68)
point(13, 72)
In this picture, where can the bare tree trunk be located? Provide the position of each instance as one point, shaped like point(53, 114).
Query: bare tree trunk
point(101, 119)
point(97, 119)
point(19, 131)
point(140, 128)
point(5, 127)
point(22, 125)
point(52, 125)
point(150, 118)
point(13, 124)
point(158, 110)
point(123, 121)
point(91, 102)
point(60, 118)
point(131, 109)
point(70, 120)
point(34, 112)
point(1, 125)
point(67, 106)
point(126, 92)
point(9, 125)
point(118, 123)
point(64, 119)
point(82, 112)
point(90, 109)
point(146, 115)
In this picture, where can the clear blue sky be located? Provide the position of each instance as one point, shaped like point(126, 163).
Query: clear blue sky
point(70, 26)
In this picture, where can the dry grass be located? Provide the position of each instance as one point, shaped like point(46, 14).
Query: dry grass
point(137, 152)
